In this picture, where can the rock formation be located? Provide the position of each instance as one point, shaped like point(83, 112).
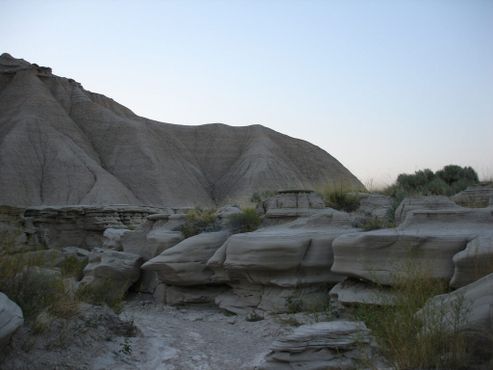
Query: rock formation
point(63, 145)
point(425, 241)
point(11, 319)
point(342, 345)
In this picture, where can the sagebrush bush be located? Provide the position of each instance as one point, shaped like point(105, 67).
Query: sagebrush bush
point(447, 181)
point(245, 221)
point(199, 220)
point(341, 199)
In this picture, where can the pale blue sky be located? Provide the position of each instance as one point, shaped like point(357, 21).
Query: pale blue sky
point(384, 86)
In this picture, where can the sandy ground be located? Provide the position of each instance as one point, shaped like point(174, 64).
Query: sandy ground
point(195, 337)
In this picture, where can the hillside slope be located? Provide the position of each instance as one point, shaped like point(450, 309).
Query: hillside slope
point(61, 144)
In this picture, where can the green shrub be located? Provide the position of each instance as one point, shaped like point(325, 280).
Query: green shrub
point(245, 221)
point(73, 267)
point(447, 181)
point(341, 199)
point(199, 220)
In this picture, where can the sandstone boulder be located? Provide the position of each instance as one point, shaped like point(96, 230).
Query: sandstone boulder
point(408, 205)
point(158, 233)
point(474, 196)
point(112, 238)
point(351, 292)
point(474, 262)
point(340, 345)
point(267, 267)
point(374, 206)
point(185, 264)
point(117, 270)
point(11, 318)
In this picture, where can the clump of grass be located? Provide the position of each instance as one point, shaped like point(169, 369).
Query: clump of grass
point(261, 196)
point(408, 340)
point(376, 223)
point(245, 221)
point(104, 292)
point(33, 288)
point(199, 220)
point(341, 199)
point(73, 267)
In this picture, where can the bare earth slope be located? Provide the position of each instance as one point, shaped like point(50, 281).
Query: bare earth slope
point(61, 144)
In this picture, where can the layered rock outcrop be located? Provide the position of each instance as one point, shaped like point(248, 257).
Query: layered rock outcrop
point(81, 226)
point(341, 345)
point(279, 268)
point(63, 145)
point(426, 241)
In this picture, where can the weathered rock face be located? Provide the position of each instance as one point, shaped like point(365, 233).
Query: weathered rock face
point(55, 150)
point(183, 272)
point(185, 264)
point(158, 233)
point(474, 262)
point(475, 196)
point(374, 206)
point(351, 292)
point(11, 318)
point(409, 205)
point(291, 204)
point(427, 239)
point(325, 346)
point(112, 238)
point(82, 226)
point(113, 269)
point(273, 266)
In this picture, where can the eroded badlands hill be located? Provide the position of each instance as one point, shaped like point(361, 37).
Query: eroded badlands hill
point(61, 144)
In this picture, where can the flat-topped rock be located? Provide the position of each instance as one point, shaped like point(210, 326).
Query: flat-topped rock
point(82, 226)
point(427, 239)
point(325, 345)
point(475, 196)
point(422, 203)
point(185, 264)
point(352, 292)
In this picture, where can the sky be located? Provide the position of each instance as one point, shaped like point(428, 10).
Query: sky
point(386, 87)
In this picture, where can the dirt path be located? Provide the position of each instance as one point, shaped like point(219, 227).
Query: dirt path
point(194, 337)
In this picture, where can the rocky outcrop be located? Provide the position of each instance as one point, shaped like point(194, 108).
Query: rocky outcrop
point(112, 238)
point(183, 268)
point(423, 203)
point(158, 233)
point(374, 206)
point(276, 267)
point(11, 318)
point(426, 241)
point(475, 197)
point(353, 292)
point(341, 345)
point(185, 264)
point(291, 204)
point(474, 262)
point(81, 226)
point(55, 151)
point(111, 269)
